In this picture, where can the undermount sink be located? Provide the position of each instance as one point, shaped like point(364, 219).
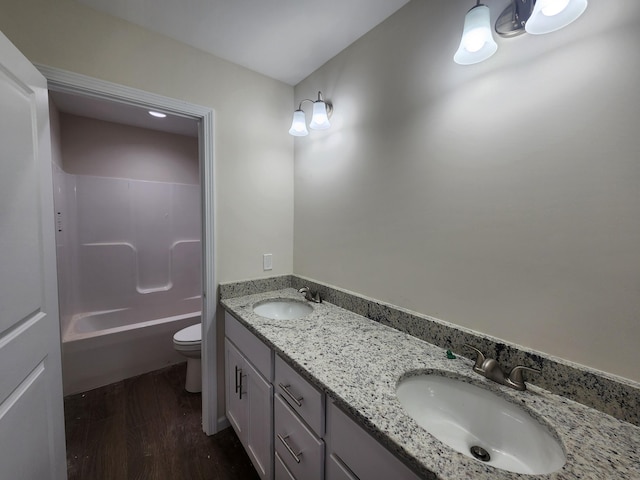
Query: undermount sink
point(480, 424)
point(282, 309)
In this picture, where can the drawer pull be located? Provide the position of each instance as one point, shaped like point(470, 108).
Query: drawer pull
point(296, 456)
point(285, 389)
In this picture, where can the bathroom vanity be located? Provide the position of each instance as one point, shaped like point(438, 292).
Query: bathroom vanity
point(279, 417)
point(315, 397)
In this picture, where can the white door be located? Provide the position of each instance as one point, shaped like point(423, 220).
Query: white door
point(32, 445)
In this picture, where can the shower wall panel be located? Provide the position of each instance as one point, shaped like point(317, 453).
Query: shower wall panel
point(137, 242)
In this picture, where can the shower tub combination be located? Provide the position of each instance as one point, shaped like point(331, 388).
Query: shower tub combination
point(129, 267)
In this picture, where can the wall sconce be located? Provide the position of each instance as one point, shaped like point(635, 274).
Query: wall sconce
point(533, 16)
point(319, 119)
point(477, 43)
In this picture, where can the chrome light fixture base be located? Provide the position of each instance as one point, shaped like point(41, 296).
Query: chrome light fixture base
point(512, 20)
point(329, 108)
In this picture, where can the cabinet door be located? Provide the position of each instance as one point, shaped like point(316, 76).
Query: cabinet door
point(235, 376)
point(258, 398)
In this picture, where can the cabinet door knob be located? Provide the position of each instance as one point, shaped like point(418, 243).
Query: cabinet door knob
point(285, 389)
point(296, 456)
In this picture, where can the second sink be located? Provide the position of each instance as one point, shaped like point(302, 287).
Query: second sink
point(480, 424)
point(282, 309)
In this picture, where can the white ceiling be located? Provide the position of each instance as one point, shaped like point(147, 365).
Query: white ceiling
point(116, 112)
point(283, 39)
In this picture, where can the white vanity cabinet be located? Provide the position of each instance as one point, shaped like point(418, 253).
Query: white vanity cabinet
point(288, 429)
point(249, 394)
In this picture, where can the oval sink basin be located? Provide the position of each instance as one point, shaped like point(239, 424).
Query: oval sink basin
point(282, 309)
point(480, 424)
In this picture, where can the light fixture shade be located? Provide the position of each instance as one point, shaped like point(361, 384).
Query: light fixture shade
point(551, 15)
point(477, 43)
point(299, 124)
point(320, 119)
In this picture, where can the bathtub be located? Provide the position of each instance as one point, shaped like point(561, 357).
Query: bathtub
point(99, 348)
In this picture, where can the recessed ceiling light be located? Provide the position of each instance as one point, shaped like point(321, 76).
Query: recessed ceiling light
point(157, 114)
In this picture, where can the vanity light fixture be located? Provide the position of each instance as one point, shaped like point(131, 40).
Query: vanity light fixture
point(477, 43)
point(551, 15)
point(319, 119)
point(157, 114)
point(531, 16)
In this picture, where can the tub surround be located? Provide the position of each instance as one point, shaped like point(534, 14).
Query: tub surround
point(358, 362)
point(609, 394)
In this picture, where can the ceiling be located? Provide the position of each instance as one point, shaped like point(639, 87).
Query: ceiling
point(116, 112)
point(282, 39)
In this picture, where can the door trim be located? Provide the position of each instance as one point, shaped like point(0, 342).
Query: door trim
point(75, 83)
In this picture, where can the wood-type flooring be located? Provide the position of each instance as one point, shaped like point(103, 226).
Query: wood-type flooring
point(148, 428)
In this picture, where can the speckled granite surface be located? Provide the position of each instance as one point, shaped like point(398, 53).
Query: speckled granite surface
point(613, 395)
point(358, 362)
point(249, 287)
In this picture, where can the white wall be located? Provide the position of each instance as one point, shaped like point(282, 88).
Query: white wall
point(254, 153)
point(106, 149)
point(502, 197)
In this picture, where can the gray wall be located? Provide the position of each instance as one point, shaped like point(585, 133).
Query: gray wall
point(253, 152)
point(502, 197)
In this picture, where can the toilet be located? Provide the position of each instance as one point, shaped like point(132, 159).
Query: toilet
point(188, 342)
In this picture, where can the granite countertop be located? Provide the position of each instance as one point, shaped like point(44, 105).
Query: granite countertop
point(357, 362)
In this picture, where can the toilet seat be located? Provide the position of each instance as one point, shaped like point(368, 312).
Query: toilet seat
point(189, 336)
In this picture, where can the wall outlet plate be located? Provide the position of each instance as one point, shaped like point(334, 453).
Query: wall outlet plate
point(267, 261)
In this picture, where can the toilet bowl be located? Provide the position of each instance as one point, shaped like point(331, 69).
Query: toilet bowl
point(188, 342)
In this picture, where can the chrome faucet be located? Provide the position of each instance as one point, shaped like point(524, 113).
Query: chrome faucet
point(311, 296)
point(490, 368)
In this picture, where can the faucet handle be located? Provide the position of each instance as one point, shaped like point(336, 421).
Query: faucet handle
point(480, 359)
point(516, 379)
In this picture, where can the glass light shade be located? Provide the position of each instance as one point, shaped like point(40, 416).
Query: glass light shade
point(320, 119)
point(551, 15)
point(299, 124)
point(477, 43)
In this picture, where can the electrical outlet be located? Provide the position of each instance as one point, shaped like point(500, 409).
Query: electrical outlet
point(267, 261)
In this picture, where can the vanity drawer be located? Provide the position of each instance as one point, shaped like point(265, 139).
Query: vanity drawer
point(361, 453)
point(336, 470)
point(251, 346)
point(282, 472)
point(297, 446)
point(302, 397)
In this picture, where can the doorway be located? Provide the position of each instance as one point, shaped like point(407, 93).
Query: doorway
point(127, 98)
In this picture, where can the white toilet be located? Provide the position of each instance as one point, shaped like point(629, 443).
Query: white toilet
point(188, 342)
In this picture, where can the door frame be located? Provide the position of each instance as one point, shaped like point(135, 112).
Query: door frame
point(78, 84)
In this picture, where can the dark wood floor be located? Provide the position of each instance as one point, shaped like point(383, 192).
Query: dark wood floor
point(148, 428)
